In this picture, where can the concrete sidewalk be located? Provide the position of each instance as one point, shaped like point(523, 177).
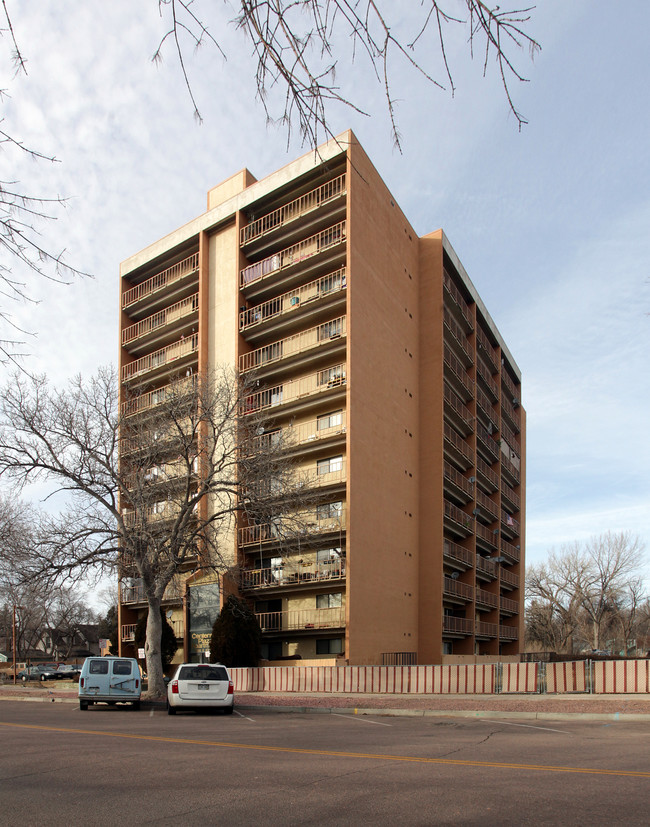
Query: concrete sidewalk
point(540, 707)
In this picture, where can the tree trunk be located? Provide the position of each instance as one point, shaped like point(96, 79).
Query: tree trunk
point(152, 651)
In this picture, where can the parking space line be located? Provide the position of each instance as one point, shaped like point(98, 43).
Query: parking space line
point(529, 726)
point(241, 715)
point(361, 720)
point(412, 759)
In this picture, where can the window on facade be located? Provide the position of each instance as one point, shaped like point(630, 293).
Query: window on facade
point(329, 601)
point(328, 555)
point(329, 510)
point(329, 330)
point(332, 376)
point(330, 420)
point(272, 651)
point(329, 646)
point(327, 466)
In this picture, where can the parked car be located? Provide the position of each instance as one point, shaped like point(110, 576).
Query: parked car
point(38, 673)
point(110, 681)
point(68, 671)
point(200, 686)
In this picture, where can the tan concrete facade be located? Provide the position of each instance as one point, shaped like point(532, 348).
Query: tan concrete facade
point(371, 348)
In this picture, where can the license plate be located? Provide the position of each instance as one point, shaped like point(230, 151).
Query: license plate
point(204, 686)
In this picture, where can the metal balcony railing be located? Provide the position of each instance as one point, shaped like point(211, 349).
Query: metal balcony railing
point(508, 632)
point(508, 605)
point(458, 371)
point(308, 524)
point(293, 299)
point(487, 440)
point(487, 350)
point(164, 357)
point(459, 335)
point(487, 566)
point(510, 468)
point(513, 391)
point(458, 443)
point(508, 521)
point(161, 280)
point(312, 246)
point(484, 469)
point(146, 401)
point(459, 517)
point(134, 593)
point(293, 573)
point(128, 632)
point(510, 578)
point(484, 598)
point(452, 551)
point(182, 309)
point(451, 474)
point(486, 629)
point(458, 300)
point(295, 389)
point(293, 210)
point(486, 376)
point(485, 405)
point(509, 411)
point(301, 342)
point(487, 535)
point(156, 513)
point(486, 505)
point(303, 619)
point(295, 435)
point(457, 625)
point(453, 588)
point(511, 438)
point(462, 412)
point(510, 551)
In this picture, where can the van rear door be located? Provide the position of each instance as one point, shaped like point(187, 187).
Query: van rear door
point(124, 679)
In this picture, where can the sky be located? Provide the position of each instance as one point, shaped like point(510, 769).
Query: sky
point(552, 222)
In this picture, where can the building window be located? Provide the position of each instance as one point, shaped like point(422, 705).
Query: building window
point(272, 650)
point(329, 510)
point(331, 420)
point(329, 465)
point(328, 555)
point(447, 647)
point(329, 601)
point(329, 646)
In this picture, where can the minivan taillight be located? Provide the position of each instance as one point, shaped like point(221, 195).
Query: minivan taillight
point(230, 688)
point(174, 687)
point(82, 682)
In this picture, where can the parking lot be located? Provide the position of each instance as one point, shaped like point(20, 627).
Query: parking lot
point(59, 764)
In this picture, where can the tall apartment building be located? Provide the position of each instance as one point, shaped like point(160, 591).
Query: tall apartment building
point(373, 347)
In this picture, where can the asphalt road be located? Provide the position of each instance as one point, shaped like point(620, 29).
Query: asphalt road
point(59, 765)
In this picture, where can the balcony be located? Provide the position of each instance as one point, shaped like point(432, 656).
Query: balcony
point(456, 447)
point(458, 626)
point(509, 579)
point(486, 630)
point(457, 592)
point(486, 506)
point(508, 632)
point(157, 513)
point(456, 412)
point(512, 553)
point(457, 375)
point(302, 620)
point(128, 632)
point(458, 521)
point(487, 441)
point(486, 376)
point(509, 525)
point(147, 401)
point(284, 215)
point(328, 333)
point(307, 295)
point(459, 304)
point(167, 359)
point(512, 415)
point(152, 327)
point(457, 339)
point(509, 470)
point(512, 390)
point(296, 254)
point(508, 606)
point(309, 524)
point(486, 599)
point(315, 432)
point(134, 593)
point(509, 435)
point(486, 537)
point(486, 349)
point(457, 556)
point(291, 574)
point(486, 569)
point(297, 390)
point(485, 406)
point(487, 476)
point(462, 487)
point(161, 282)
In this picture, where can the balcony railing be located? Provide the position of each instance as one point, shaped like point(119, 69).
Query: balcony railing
point(457, 625)
point(293, 300)
point(296, 435)
point(508, 632)
point(509, 385)
point(153, 514)
point(484, 598)
point(292, 574)
point(509, 522)
point(486, 629)
point(161, 280)
point(513, 415)
point(459, 518)
point(459, 335)
point(453, 588)
point(486, 376)
point(510, 578)
point(135, 593)
point(308, 524)
point(293, 210)
point(486, 505)
point(510, 551)
point(161, 358)
point(458, 300)
point(487, 566)
point(128, 632)
point(487, 441)
point(458, 371)
point(462, 412)
point(484, 469)
point(487, 535)
point(302, 342)
point(510, 468)
point(452, 551)
point(451, 474)
point(487, 350)
point(295, 389)
point(312, 246)
point(508, 605)
point(146, 401)
point(510, 438)
point(458, 443)
point(486, 406)
point(169, 315)
point(303, 619)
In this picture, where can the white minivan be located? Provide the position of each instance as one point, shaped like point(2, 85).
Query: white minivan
point(110, 681)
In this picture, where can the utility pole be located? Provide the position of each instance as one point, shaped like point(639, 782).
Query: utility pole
point(13, 647)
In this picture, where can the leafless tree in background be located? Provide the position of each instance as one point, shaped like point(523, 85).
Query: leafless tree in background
point(299, 47)
point(168, 505)
point(587, 594)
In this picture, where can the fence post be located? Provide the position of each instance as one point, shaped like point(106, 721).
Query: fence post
point(498, 679)
point(590, 676)
point(541, 679)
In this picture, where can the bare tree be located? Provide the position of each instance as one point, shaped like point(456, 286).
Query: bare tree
point(300, 46)
point(160, 505)
point(586, 590)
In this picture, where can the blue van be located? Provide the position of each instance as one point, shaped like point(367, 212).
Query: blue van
point(110, 681)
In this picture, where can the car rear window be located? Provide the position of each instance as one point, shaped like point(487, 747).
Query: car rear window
point(203, 673)
point(122, 667)
point(98, 667)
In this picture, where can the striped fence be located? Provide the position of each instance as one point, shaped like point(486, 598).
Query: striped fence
point(632, 676)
